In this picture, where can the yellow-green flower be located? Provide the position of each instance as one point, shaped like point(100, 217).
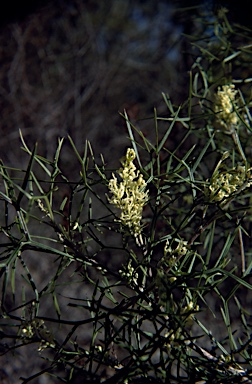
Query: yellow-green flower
point(224, 183)
point(225, 106)
point(130, 194)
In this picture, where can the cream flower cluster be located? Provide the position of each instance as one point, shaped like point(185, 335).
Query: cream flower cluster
point(31, 329)
point(129, 195)
point(224, 183)
point(225, 105)
point(129, 273)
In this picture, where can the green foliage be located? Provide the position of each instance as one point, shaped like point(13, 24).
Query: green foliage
point(169, 302)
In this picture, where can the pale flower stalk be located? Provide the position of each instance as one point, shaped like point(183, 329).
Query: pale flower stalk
point(224, 183)
point(225, 106)
point(226, 109)
point(129, 195)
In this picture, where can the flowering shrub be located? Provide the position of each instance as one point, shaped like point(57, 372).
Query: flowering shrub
point(159, 292)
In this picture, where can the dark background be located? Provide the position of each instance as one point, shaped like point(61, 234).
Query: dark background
point(70, 67)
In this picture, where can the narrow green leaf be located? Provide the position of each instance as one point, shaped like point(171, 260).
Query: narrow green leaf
point(56, 304)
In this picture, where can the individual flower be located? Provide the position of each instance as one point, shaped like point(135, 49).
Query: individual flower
point(188, 312)
point(129, 195)
point(225, 106)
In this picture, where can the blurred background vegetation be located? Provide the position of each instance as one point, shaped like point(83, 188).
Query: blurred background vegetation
point(71, 68)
